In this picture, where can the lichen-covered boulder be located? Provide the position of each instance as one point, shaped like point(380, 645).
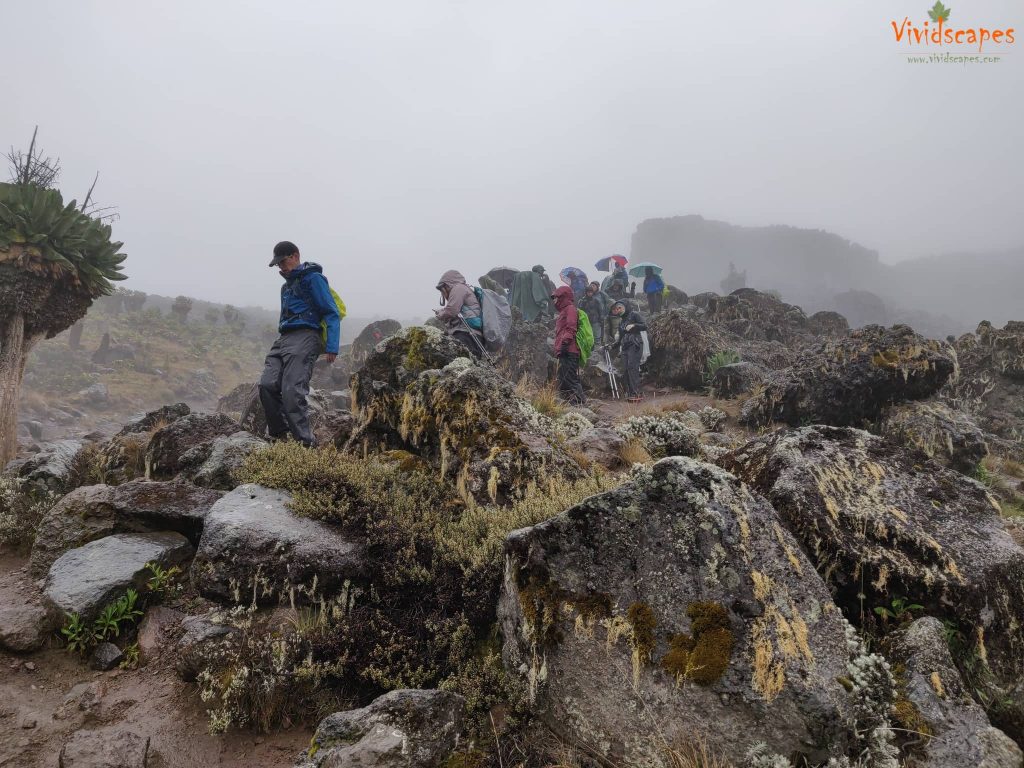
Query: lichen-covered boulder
point(95, 511)
point(463, 417)
point(681, 347)
point(52, 468)
point(168, 446)
point(880, 522)
point(401, 729)
point(155, 419)
point(254, 548)
point(86, 579)
point(989, 383)
point(935, 708)
point(751, 314)
point(198, 635)
point(950, 437)
point(678, 594)
point(850, 381)
point(212, 465)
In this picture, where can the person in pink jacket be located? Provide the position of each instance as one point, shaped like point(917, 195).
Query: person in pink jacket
point(566, 349)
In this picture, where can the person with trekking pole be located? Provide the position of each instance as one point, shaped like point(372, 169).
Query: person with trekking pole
point(461, 312)
point(309, 326)
point(631, 346)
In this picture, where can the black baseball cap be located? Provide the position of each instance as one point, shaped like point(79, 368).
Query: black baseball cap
point(282, 251)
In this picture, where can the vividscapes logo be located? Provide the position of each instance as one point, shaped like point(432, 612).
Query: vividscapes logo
point(940, 33)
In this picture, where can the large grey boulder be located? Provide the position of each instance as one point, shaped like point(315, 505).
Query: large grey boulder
point(253, 546)
point(95, 511)
point(105, 748)
point(599, 445)
point(950, 437)
point(401, 729)
point(849, 381)
point(84, 580)
point(936, 702)
point(217, 461)
point(881, 522)
point(24, 627)
point(52, 469)
point(675, 605)
point(169, 444)
point(155, 419)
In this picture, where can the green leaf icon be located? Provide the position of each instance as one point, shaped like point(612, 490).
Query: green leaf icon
point(939, 12)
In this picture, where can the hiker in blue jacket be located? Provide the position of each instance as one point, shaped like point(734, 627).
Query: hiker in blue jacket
point(306, 302)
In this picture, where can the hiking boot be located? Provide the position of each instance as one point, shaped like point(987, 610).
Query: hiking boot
point(634, 399)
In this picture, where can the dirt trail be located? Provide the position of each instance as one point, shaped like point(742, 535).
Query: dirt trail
point(47, 696)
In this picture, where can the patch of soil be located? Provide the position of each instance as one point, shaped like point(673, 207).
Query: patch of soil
point(46, 696)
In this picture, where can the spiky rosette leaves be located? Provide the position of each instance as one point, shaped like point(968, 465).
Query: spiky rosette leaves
point(54, 259)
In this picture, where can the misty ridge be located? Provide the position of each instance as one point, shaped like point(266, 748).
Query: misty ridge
point(936, 295)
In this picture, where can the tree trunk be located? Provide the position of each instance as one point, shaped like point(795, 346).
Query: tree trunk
point(75, 337)
point(14, 349)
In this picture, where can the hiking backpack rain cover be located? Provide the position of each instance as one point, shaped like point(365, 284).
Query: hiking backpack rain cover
point(584, 336)
point(497, 318)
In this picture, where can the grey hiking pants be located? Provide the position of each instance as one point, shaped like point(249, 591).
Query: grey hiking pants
point(631, 354)
point(284, 384)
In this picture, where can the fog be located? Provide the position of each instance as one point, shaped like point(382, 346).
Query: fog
point(392, 141)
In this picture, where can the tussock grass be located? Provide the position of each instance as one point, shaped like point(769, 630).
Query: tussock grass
point(634, 452)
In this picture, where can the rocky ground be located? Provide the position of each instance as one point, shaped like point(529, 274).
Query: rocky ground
point(800, 550)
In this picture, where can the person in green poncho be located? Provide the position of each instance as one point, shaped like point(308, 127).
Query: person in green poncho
point(530, 294)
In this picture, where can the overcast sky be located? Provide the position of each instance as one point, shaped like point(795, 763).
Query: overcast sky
point(394, 140)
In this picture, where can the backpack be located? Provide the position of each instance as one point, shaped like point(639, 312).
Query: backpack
point(584, 336)
point(337, 302)
point(341, 315)
point(495, 318)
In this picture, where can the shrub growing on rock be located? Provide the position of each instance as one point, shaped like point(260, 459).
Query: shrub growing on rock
point(436, 564)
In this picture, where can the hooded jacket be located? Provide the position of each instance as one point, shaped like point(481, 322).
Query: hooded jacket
point(567, 322)
point(632, 337)
point(306, 301)
point(462, 302)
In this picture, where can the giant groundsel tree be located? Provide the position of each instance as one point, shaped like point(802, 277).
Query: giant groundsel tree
point(54, 261)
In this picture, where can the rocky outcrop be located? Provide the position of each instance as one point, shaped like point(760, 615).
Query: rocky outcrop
point(750, 314)
point(849, 381)
point(464, 418)
point(53, 468)
point(681, 346)
point(86, 579)
point(950, 437)
point(372, 335)
point(935, 706)
point(527, 353)
point(674, 605)
point(95, 511)
point(213, 464)
point(989, 383)
point(880, 522)
point(254, 548)
point(401, 729)
point(169, 444)
point(154, 420)
point(827, 323)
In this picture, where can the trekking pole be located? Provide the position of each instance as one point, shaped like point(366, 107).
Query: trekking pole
point(483, 350)
point(611, 374)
